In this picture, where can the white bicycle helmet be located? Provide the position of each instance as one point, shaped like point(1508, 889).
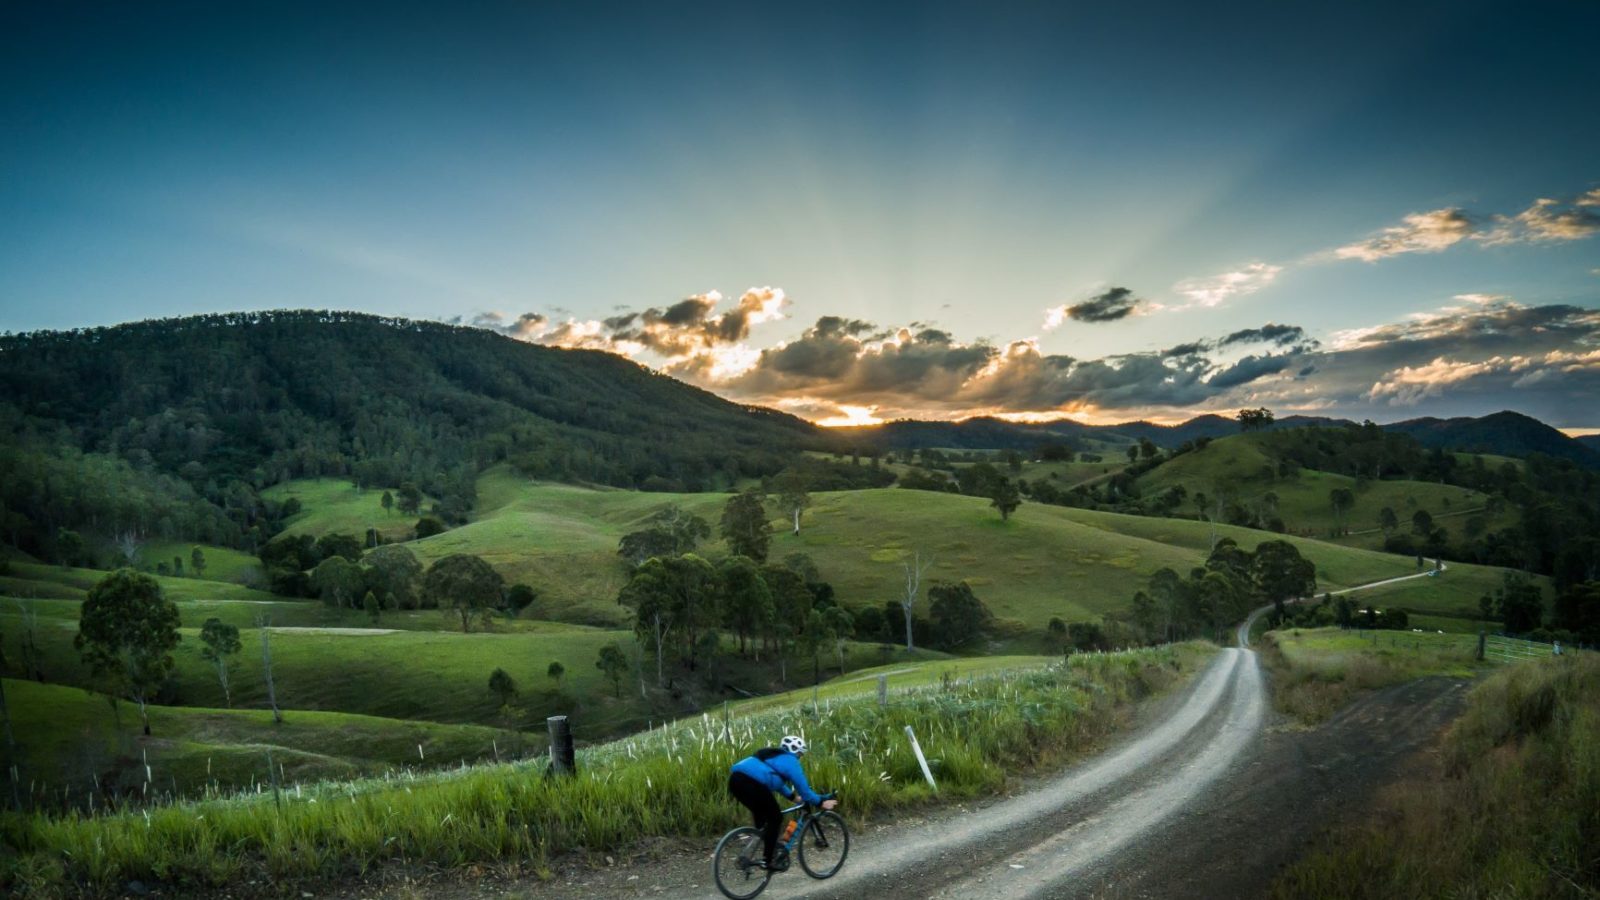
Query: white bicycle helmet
point(793, 744)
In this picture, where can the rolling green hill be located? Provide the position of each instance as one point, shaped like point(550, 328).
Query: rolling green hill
point(1047, 561)
point(1242, 469)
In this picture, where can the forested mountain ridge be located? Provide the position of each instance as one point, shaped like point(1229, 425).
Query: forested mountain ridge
point(206, 411)
point(1506, 433)
point(1503, 433)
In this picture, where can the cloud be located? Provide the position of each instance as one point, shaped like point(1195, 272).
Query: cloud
point(1210, 292)
point(1408, 384)
point(688, 337)
point(1270, 333)
point(1548, 220)
point(1251, 368)
point(1426, 232)
point(1115, 303)
point(929, 372)
point(1498, 354)
point(1475, 353)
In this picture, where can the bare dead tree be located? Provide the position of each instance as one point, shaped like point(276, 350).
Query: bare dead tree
point(129, 542)
point(265, 626)
point(32, 658)
point(914, 570)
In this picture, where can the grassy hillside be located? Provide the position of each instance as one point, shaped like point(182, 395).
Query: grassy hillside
point(337, 505)
point(1046, 561)
point(222, 563)
point(67, 735)
point(1243, 470)
point(39, 580)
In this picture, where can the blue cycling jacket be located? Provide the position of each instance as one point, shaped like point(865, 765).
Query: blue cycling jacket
point(776, 768)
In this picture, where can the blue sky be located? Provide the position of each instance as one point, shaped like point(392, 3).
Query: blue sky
point(958, 176)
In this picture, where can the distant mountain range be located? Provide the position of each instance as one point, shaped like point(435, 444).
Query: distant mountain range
point(1503, 433)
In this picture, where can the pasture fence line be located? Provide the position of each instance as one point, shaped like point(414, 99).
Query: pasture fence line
point(1501, 648)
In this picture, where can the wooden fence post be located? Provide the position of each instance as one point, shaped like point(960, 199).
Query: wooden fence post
point(563, 760)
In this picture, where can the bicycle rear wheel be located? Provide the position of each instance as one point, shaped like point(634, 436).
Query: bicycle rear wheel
point(824, 845)
point(736, 864)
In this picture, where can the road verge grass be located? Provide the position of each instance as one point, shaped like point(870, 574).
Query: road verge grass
point(1513, 810)
point(670, 781)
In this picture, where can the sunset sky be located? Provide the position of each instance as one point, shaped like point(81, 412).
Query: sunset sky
point(850, 212)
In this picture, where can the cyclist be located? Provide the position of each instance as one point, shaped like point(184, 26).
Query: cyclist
point(753, 779)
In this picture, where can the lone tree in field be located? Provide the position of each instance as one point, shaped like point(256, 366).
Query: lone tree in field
point(1057, 630)
point(958, 614)
point(221, 641)
point(519, 598)
point(670, 532)
point(1422, 523)
point(842, 626)
point(464, 583)
point(1281, 574)
point(1519, 603)
point(126, 634)
point(614, 665)
point(1004, 497)
point(745, 526)
point(792, 494)
point(395, 574)
point(1387, 520)
point(745, 599)
point(197, 562)
point(338, 582)
point(409, 499)
point(1255, 419)
point(555, 672)
point(388, 502)
point(502, 686)
point(914, 570)
point(372, 606)
point(1341, 499)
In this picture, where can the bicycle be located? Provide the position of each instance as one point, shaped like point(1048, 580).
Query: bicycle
point(819, 834)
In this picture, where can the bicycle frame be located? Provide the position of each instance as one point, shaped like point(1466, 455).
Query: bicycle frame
point(801, 820)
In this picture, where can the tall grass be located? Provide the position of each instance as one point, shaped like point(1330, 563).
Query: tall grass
point(1317, 671)
point(1513, 813)
point(669, 781)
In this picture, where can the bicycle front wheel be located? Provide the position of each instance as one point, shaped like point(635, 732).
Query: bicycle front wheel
point(736, 864)
point(824, 845)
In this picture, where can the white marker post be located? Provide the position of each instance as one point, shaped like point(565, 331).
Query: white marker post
point(921, 760)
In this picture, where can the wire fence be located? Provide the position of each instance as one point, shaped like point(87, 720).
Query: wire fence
point(1500, 648)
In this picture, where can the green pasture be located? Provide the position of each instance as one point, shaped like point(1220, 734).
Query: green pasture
point(222, 563)
point(1045, 562)
point(67, 737)
point(337, 505)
